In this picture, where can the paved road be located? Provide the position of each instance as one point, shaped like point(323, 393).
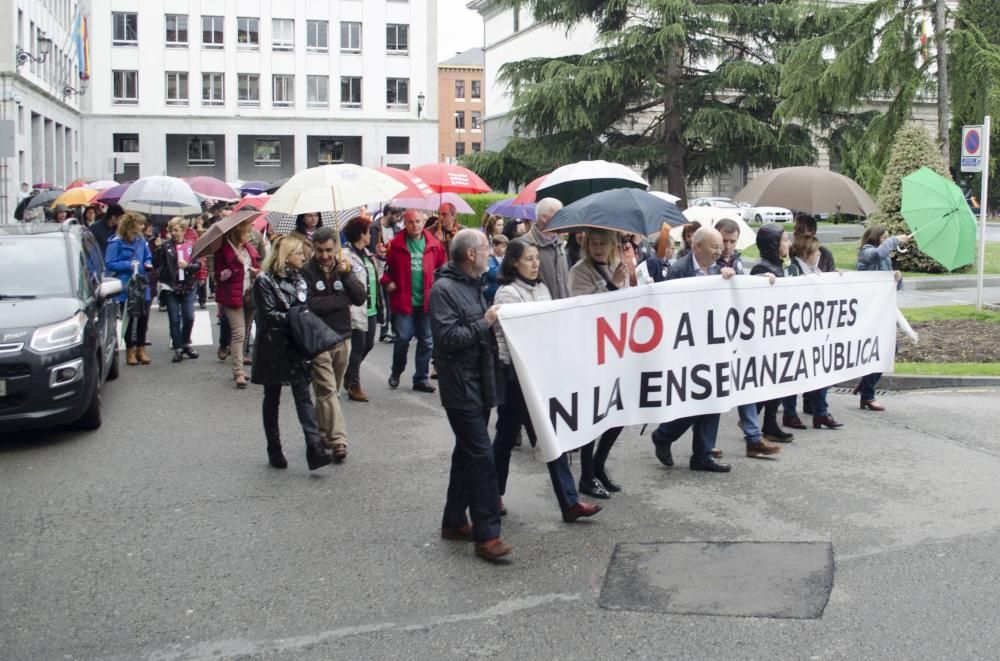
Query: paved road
point(852, 233)
point(164, 535)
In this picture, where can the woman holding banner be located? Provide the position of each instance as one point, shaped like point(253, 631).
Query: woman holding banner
point(874, 255)
point(521, 284)
point(601, 269)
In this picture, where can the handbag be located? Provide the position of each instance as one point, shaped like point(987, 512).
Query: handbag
point(310, 333)
point(135, 302)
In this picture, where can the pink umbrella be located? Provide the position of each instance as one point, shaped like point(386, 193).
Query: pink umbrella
point(254, 201)
point(528, 194)
point(415, 186)
point(432, 202)
point(213, 189)
point(448, 178)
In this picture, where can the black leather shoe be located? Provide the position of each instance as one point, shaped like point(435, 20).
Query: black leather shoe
point(276, 458)
point(593, 488)
point(178, 357)
point(393, 381)
point(709, 465)
point(607, 482)
point(424, 387)
point(317, 456)
point(778, 436)
point(663, 450)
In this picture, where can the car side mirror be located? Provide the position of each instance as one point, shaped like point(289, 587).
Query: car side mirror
point(109, 287)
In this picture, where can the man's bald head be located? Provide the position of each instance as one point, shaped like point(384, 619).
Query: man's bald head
point(706, 245)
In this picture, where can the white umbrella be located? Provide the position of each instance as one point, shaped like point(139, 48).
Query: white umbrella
point(708, 216)
point(332, 188)
point(161, 196)
point(665, 196)
point(101, 184)
point(578, 180)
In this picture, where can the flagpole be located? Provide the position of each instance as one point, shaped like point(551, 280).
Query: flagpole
point(982, 213)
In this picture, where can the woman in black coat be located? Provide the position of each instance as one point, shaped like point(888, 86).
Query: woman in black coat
point(276, 360)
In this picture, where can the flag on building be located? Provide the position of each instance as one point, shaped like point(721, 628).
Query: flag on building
point(82, 38)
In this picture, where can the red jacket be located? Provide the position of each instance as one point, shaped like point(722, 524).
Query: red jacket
point(230, 292)
point(397, 270)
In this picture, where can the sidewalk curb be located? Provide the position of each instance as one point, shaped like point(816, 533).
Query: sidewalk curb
point(900, 382)
point(949, 282)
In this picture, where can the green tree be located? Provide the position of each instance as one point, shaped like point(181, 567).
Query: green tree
point(514, 166)
point(877, 51)
point(684, 88)
point(912, 150)
point(975, 72)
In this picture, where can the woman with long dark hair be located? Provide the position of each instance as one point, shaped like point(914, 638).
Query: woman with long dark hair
point(276, 360)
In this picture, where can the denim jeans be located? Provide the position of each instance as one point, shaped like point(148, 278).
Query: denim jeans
point(511, 415)
point(818, 399)
point(751, 426)
point(868, 383)
point(705, 427)
point(788, 406)
point(303, 407)
point(180, 311)
point(407, 327)
point(472, 483)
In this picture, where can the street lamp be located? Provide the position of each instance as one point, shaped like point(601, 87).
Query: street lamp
point(420, 103)
point(44, 48)
point(69, 89)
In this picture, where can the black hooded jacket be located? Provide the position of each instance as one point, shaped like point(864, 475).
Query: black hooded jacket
point(768, 240)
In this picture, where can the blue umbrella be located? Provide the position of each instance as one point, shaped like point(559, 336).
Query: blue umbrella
point(254, 187)
point(628, 210)
point(508, 209)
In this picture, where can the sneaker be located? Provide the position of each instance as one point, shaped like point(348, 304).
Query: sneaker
point(393, 381)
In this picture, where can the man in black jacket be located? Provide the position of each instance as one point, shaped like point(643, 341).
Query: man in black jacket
point(464, 351)
point(333, 289)
point(106, 228)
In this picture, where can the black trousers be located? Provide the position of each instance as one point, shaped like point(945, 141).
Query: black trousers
point(361, 343)
point(303, 407)
point(472, 483)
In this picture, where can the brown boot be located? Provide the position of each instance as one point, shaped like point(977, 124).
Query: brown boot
point(493, 549)
point(356, 394)
point(130, 356)
point(140, 355)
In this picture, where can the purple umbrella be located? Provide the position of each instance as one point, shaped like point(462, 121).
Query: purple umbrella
point(508, 209)
point(254, 187)
point(113, 194)
point(212, 189)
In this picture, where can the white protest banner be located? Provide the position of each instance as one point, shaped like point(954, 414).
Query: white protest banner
point(693, 346)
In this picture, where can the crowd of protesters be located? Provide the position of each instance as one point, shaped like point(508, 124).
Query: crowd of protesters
point(423, 278)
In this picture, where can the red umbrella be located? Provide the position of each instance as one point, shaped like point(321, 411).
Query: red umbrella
point(213, 189)
point(253, 201)
point(528, 194)
point(415, 186)
point(79, 183)
point(448, 178)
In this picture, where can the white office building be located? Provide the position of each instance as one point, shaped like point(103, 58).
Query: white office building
point(40, 120)
point(257, 90)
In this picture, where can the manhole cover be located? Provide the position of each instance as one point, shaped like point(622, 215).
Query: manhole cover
point(741, 579)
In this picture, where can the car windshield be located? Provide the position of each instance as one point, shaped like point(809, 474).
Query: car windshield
point(725, 204)
point(34, 266)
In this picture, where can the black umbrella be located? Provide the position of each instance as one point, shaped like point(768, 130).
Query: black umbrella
point(31, 210)
point(628, 210)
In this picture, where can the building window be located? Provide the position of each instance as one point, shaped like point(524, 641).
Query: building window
point(125, 88)
point(318, 35)
point(350, 37)
point(125, 142)
point(125, 28)
point(475, 120)
point(350, 92)
point(397, 93)
point(460, 90)
point(283, 34)
point(459, 148)
point(248, 89)
point(477, 89)
point(397, 145)
point(177, 30)
point(248, 32)
point(213, 89)
point(330, 151)
point(477, 146)
point(177, 88)
point(318, 91)
point(212, 34)
point(201, 151)
point(284, 90)
point(397, 39)
point(459, 120)
point(267, 152)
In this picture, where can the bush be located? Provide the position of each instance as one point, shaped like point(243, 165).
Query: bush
point(912, 150)
point(479, 203)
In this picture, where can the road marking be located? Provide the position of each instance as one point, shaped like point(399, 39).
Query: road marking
point(201, 334)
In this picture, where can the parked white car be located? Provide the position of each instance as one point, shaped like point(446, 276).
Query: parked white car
point(747, 211)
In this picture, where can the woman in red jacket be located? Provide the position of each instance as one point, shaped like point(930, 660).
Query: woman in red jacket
point(236, 265)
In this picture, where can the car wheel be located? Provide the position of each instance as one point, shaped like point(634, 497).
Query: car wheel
point(91, 418)
point(113, 372)
point(758, 219)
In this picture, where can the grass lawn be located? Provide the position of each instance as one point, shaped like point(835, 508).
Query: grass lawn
point(949, 369)
point(950, 313)
point(846, 257)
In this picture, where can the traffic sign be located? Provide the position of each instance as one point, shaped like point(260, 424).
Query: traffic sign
point(972, 148)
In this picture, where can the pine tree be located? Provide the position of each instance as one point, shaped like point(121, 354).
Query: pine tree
point(684, 88)
point(914, 148)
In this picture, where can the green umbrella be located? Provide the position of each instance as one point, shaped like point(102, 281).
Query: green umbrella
point(937, 213)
